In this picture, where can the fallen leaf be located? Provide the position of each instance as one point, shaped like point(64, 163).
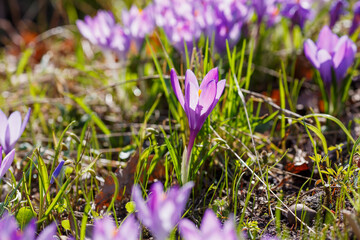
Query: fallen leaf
point(291, 167)
point(125, 179)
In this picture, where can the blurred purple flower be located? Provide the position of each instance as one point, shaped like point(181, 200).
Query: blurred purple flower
point(330, 53)
point(56, 171)
point(269, 237)
point(6, 162)
point(9, 228)
point(103, 31)
point(10, 231)
point(105, 229)
point(138, 23)
point(356, 19)
point(199, 101)
point(185, 21)
point(181, 21)
point(210, 228)
point(336, 10)
point(298, 11)
point(11, 129)
point(162, 211)
point(183, 31)
point(267, 10)
point(230, 16)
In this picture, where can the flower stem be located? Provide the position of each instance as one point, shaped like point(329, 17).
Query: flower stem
point(190, 146)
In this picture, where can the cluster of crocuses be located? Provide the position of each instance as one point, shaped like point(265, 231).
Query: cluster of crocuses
point(11, 130)
point(184, 21)
point(331, 56)
point(10, 230)
point(160, 214)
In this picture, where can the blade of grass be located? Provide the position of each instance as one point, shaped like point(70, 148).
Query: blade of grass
point(24, 61)
point(173, 156)
point(249, 71)
point(332, 118)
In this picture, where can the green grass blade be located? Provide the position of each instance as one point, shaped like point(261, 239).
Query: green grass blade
point(332, 118)
point(24, 61)
point(173, 156)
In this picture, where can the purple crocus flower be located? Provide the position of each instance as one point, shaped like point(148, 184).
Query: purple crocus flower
point(180, 21)
point(103, 31)
point(298, 11)
point(183, 31)
point(336, 10)
point(6, 162)
point(230, 16)
point(11, 129)
point(267, 10)
point(330, 53)
point(46, 234)
point(199, 101)
point(57, 171)
point(162, 211)
point(269, 237)
point(210, 228)
point(105, 229)
point(10, 230)
point(356, 19)
point(138, 23)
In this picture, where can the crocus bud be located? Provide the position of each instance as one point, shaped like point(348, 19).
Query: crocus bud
point(57, 171)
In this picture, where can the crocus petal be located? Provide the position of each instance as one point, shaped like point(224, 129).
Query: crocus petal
point(207, 98)
point(48, 232)
point(9, 227)
point(310, 51)
point(188, 230)
point(168, 215)
point(179, 197)
point(176, 87)
point(57, 171)
point(192, 96)
point(219, 91)
point(30, 230)
point(327, 39)
point(340, 55)
point(86, 31)
point(104, 228)
point(190, 77)
point(344, 56)
point(213, 74)
point(229, 229)
point(191, 102)
point(25, 121)
point(9, 158)
point(129, 229)
point(210, 223)
point(143, 211)
point(8, 146)
point(184, 194)
point(3, 124)
point(157, 192)
point(325, 66)
point(14, 124)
